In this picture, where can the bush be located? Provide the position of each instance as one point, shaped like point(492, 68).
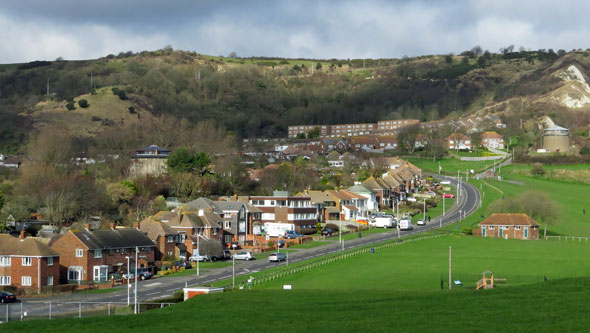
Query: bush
point(332, 226)
point(270, 244)
point(83, 103)
point(467, 231)
point(71, 106)
point(538, 169)
point(132, 109)
point(585, 150)
point(95, 118)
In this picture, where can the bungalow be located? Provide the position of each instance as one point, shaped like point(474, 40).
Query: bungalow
point(92, 255)
point(27, 263)
point(491, 139)
point(508, 226)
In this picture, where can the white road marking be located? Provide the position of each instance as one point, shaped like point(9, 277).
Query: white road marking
point(153, 293)
point(153, 284)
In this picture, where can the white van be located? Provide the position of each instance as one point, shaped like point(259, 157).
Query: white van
point(405, 224)
point(278, 229)
point(383, 221)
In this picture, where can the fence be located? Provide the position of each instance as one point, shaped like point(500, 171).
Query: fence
point(290, 270)
point(50, 310)
point(578, 239)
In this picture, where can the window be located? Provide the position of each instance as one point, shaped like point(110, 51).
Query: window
point(79, 253)
point(170, 239)
point(50, 280)
point(49, 261)
point(491, 227)
point(97, 253)
point(4, 261)
point(517, 227)
point(26, 281)
point(228, 238)
point(214, 231)
point(227, 215)
point(27, 261)
point(4, 280)
point(170, 253)
point(227, 224)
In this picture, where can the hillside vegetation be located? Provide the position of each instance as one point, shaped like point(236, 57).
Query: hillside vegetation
point(254, 97)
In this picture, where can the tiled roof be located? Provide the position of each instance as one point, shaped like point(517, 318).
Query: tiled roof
point(153, 229)
point(112, 239)
point(27, 247)
point(509, 219)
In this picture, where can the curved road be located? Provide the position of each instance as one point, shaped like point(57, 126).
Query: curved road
point(466, 203)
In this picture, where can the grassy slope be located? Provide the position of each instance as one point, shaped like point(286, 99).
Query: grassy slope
point(569, 196)
point(421, 265)
point(450, 166)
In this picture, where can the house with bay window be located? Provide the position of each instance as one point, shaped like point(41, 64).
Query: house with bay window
point(27, 263)
point(93, 255)
point(282, 207)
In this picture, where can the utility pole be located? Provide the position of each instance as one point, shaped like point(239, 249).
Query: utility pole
point(450, 266)
point(443, 204)
point(233, 272)
point(135, 276)
point(198, 252)
point(424, 199)
point(47, 86)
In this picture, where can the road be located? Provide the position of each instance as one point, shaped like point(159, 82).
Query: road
point(466, 202)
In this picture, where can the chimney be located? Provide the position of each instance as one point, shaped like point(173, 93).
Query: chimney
point(201, 212)
point(235, 197)
point(87, 227)
point(23, 235)
point(136, 225)
point(112, 225)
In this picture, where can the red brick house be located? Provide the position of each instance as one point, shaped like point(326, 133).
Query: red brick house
point(508, 226)
point(27, 263)
point(92, 255)
point(281, 207)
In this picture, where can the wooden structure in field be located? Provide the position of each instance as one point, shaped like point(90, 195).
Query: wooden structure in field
point(487, 281)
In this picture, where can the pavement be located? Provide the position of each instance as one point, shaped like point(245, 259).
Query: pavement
point(466, 202)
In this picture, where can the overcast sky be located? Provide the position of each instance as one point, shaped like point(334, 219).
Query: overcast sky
point(83, 29)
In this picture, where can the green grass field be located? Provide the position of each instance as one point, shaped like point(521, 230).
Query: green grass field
point(450, 166)
point(421, 265)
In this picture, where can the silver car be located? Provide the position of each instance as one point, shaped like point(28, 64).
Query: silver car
point(244, 255)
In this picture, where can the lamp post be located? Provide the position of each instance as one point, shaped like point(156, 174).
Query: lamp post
point(135, 275)
point(459, 221)
point(198, 252)
point(443, 204)
point(128, 276)
point(424, 209)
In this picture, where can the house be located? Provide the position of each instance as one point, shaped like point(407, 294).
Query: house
point(334, 160)
point(372, 203)
point(350, 205)
point(149, 160)
point(320, 201)
point(93, 255)
point(12, 162)
point(165, 238)
point(363, 143)
point(328, 145)
point(238, 217)
point(27, 263)
point(491, 139)
point(382, 192)
point(193, 226)
point(387, 142)
point(508, 226)
point(281, 207)
point(458, 141)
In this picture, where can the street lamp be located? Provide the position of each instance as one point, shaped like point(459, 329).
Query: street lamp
point(424, 209)
point(128, 276)
point(198, 252)
point(135, 275)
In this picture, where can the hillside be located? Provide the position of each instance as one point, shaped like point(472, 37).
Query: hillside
point(262, 96)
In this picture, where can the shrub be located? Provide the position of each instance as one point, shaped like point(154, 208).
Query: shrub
point(83, 103)
point(585, 150)
point(332, 226)
point(270, 244)
point(95, 118)
point(132, 109)
point(467, 231)
point(70, 105)
point(538, 169)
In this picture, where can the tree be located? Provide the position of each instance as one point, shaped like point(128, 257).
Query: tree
point(119, 193)
point(585, 150)
point(233, 55)
point(83, 103)
point(318, 66)
point(481, 61)
point(535, 204)
point(1, 201)
point(181, 160)
point(448, 58)
point(477, 50)
point(406, 138)
point(314, 133)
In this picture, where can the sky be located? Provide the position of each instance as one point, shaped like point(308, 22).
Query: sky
point(82, 29)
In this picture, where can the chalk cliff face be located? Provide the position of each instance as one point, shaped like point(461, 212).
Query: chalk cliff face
point(576, 92)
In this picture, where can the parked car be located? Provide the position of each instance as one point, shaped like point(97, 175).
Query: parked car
point(281, 243)
point(6, 297)
point(435, 184)
point(291, 234)
point(277, 256)
point(327, 232)
point(412, 199)
point(143, 273)
point(448, 195)
point(225, 254)
point(235, 246)
point(445, 182)
point(183, 263)
point(201, 257)
point(421, 222)
point(432, 193)
point(244, 255)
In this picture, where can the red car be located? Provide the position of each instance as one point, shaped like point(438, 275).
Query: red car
point(448, 195)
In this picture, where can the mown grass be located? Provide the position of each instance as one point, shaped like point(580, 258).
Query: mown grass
point(450, 166)
point(423, 264)
point(558, 305)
